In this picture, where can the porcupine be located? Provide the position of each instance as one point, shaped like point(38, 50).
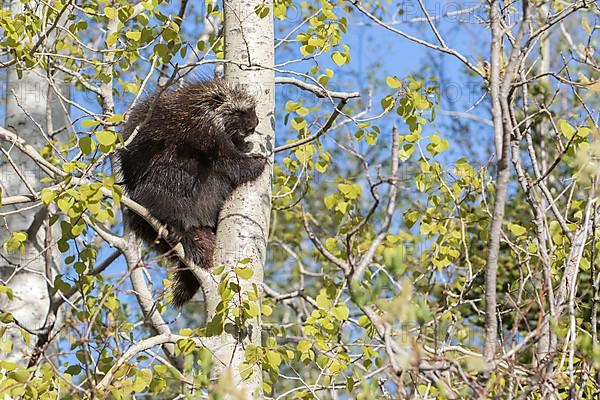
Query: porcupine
point(184, 162)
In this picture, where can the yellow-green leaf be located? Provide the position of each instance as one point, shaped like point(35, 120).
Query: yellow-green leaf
point(134, 35)
point(338, 58)
point(565, 128)
point(244, 273)
point(273, 358)
point(110, 12)
point(517, 229)
point(87, 145)
point(393, 82)
point(106, 138)
point(341, 312)
point(48, 195)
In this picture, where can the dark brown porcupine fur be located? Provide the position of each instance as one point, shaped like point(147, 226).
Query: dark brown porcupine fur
point(183, 164)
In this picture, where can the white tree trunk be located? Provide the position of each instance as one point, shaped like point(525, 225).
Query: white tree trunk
point(31, 105)
point(244, 221)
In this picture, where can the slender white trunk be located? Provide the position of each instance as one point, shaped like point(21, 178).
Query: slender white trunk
point(23, 273)
point(27, 274)
point(31, 107)
point(244, 221)
point(547, 343)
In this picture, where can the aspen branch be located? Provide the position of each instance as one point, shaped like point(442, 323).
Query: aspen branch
point(442, 48)
point(316, 90)
point(323, 130)
point(389, 212)
point(144, 345)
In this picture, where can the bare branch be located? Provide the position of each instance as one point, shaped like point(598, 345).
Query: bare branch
point(425, 43)
point(367, 258)
point(316, 90)
point(323, 130)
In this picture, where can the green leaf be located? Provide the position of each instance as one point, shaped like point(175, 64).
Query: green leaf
point(279, 10)
point(131, 87)
point(20, 375)
point(349, 383)
point(292, 106)
point(420, 102)
point(110, 12)
point(405, 152)
point(330, 244)
point(371, 138)
point(245, 371)
point(161, 49)
point(583, 132)
point(47, 196)
point(65, 203)
point(69, 167)
point(87, 145)
point(134, 35)
point(411, 217)
point(186, 332)
point(244, 273)
point(16, 241)
point(251, 309)
point(157, 385)
point(88, 123)
point(115, 118)
point(253, 354)
point(350, 191)
point(112, 39)
point(323, 300)
point(186, 346)
point(302, 111)
point(393, 82)
point(304, 346)
point(338, 58)
point(142, 379)
point(8, 292)
point(565, 128)
point(387, 103)
point(73, 370)
point(6, 318)
point(342, 206)
point(273, 358)
point(341, 312)
point(330, 201)
point(437, 145)
point(517, 229)
point(262, 10)
point(106, 138)
point(266, 310)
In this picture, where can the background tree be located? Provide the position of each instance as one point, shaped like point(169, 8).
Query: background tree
point(33, 110)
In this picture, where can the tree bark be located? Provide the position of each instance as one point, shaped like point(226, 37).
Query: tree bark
point(244, 221)
point(33, 111)
point(547, 342)
point(502, 175)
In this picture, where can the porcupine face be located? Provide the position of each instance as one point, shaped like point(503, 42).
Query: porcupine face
point(241, 124)
point(235, 109)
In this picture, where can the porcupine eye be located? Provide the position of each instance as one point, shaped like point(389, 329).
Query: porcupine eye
point(250, 127)
point(251, 122)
